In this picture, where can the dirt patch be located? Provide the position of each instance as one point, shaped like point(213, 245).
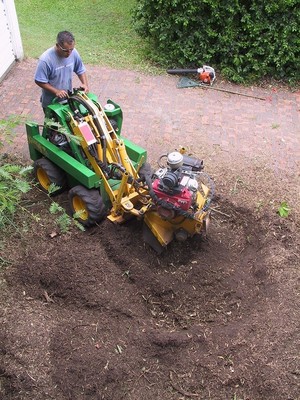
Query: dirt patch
point(98, 315)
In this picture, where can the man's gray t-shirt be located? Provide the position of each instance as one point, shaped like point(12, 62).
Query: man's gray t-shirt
point(58, 71)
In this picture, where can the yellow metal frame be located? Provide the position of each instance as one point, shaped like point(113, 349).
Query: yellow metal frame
point(125, 197)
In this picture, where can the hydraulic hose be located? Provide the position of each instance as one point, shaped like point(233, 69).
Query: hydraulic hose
point(146, 174)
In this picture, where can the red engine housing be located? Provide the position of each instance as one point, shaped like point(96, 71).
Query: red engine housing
point(205, 77)
point(182, 200)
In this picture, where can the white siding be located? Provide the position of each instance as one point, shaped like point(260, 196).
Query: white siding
point(10, 40)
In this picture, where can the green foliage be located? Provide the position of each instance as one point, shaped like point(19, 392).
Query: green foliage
point(53, 188)
point(4, 263)
point(284, 209)
point(7, 127)
point(56, 126)
point(245, 40)
point(13, 178)
point(63, 220)
point(13, 183)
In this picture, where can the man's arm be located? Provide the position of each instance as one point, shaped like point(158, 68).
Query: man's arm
point(84, 81)
point(57, 92)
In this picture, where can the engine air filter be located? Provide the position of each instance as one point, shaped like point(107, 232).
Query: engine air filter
point(175, 160)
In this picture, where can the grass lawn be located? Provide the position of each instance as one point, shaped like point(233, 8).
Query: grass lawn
point(102, 29)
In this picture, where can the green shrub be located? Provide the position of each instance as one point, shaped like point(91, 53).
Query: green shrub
point(13, 183)
point(7, 127)
point(245, 40)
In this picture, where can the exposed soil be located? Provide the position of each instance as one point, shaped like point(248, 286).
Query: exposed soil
point(98, 315)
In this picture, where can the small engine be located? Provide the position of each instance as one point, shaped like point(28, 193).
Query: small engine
point(176, 185)
point(206, 75)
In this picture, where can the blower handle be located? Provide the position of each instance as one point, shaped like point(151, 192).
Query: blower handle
point(182, 71)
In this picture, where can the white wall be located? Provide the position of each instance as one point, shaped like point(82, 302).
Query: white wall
point(11, 48)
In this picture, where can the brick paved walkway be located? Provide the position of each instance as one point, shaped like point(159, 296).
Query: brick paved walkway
point(159, 116)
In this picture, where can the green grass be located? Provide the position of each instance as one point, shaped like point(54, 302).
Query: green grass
point(102, 29)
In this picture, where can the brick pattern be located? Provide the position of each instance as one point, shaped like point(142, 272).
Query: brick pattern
point(160, 117)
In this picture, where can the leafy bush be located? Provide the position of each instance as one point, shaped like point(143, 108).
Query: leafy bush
point(13, 183)
point(13, 178)
point(7, 126)
point(245, 40)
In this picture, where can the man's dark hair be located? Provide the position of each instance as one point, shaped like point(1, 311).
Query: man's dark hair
point(65, 37)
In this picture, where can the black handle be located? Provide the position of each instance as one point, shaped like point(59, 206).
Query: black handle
point(182, 71)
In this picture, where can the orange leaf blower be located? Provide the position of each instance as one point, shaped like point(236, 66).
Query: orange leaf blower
point(206, 74)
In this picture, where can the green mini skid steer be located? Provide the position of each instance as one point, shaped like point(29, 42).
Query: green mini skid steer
point(81, 149)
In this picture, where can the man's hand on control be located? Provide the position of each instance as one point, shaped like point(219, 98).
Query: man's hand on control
point(61, 94)
point(85, 87)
